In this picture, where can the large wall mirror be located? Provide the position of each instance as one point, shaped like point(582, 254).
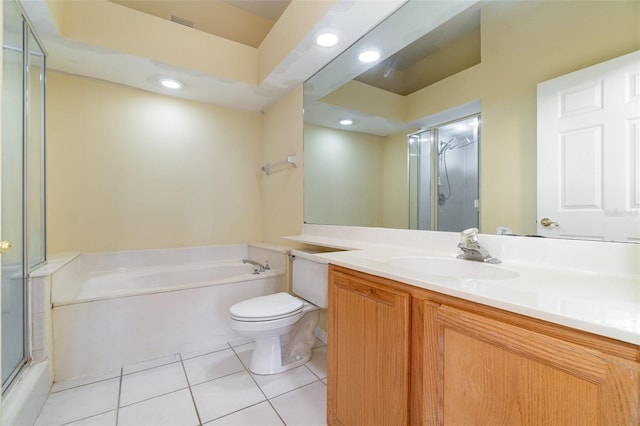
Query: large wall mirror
point(440, 61)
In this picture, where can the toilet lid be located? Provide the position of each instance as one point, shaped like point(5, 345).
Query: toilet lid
point(269, 307)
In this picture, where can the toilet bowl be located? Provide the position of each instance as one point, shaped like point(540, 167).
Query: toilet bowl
point(281, 325)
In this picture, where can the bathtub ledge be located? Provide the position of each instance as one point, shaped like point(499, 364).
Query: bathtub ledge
point(53, 264)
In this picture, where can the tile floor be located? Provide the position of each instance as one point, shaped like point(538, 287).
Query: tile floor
point(212, 387)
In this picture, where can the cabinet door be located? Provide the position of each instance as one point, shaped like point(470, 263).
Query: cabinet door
point(368, 357)
point(489, 372)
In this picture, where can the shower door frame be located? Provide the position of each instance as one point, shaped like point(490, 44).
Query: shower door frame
point(28, 36)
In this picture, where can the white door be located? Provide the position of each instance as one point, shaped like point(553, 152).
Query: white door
point(589, 152)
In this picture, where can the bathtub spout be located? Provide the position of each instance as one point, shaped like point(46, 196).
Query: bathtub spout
point(259, 266)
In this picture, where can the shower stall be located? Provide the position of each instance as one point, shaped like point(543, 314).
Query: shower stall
point(22, 166)
point(443, 176)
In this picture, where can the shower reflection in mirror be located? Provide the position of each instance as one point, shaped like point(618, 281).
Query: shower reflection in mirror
point(443, 176)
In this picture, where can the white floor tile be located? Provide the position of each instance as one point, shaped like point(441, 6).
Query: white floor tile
point(238, 341)
point(154, 392)
point(204, 351)
point(318, 362)
point(79, 402)
point(172, 409)
point(85, 380)
point(106, 419)
point(212, 366)
point(144, 365)
point(258, 415)
point(217, 398)
point(244, 353)
point(276, 384)
point(151, 383)
point(306, 406)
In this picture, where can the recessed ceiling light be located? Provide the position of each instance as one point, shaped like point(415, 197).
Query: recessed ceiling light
point(369, 56)
point(170, 83)
point(346, 122)
point(327, 40)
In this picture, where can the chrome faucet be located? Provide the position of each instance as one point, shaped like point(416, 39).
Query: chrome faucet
point(259, 266)
point(471, 249)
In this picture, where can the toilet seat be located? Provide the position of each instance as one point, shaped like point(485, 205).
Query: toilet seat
point(267, 308)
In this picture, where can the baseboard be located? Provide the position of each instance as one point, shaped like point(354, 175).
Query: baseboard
point(321, 335)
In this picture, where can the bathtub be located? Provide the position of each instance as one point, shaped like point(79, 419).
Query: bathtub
point(119, 308)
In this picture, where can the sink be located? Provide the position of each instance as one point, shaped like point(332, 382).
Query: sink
point(453, 268)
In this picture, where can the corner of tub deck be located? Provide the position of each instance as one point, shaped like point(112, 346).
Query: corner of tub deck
point(53, 263)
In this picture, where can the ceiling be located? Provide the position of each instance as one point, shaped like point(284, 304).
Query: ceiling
point(292, 24)
point(245, 21)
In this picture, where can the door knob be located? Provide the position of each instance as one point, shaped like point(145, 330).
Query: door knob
point(5, 246)
point(546, 222)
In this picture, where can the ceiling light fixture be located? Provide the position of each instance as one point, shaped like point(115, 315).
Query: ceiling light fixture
point(170, 83)
point(327, 40)
point(369, 56)
point(346, 122)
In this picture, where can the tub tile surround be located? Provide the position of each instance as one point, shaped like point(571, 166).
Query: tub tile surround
point(592, 286)
point(213, 387)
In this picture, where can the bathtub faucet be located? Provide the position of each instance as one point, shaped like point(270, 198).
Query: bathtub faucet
point(259, 266)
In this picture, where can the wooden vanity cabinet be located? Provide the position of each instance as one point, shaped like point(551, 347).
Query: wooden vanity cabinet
point(368, 358)
point(462, 363)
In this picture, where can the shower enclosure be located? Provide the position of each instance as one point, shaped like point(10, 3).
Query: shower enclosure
point(22, 203)
point(443, 176)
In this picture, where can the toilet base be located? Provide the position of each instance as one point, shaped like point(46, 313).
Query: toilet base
point(276, 354)
point(267, 358)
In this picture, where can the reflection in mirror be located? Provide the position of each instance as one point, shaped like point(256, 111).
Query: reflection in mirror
point(443, 170)
point(360, 176)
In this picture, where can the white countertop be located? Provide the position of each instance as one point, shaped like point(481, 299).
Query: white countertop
point(604, 302)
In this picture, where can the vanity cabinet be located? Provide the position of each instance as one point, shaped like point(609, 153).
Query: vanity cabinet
point(368, 358)
point(461, 363)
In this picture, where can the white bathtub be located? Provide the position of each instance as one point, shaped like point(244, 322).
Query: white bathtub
point(119, 308)
point(165, 278)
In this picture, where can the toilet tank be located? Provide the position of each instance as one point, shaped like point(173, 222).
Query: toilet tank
point(310, 277)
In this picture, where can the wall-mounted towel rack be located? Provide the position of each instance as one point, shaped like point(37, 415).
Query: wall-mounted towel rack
point(291, 159)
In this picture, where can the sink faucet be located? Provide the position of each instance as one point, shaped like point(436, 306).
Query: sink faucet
point(259, 266)
point(471, 249)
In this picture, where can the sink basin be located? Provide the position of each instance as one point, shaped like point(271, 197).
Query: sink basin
point(453, 268)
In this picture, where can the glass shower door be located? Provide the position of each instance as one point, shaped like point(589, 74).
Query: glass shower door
point(443, 176)
point(13, 269)
point(457, 175)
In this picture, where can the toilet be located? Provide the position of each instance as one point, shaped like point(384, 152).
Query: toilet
point(281, 325)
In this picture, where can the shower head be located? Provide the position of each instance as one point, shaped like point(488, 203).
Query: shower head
point(460, 144)
point(453, 143)
point(444, 146)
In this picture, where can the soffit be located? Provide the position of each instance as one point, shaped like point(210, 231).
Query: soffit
point(246, 22)
point(285, 59)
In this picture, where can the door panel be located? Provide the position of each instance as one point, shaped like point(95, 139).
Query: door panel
point(368, 359)
point(506, 375)
point(588, 158)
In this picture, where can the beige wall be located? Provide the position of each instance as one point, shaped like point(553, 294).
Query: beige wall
point(344, 172)
point(355, 178)
point(395, 205)
point(282, 190)
point(524, 44)
point(128, 169)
